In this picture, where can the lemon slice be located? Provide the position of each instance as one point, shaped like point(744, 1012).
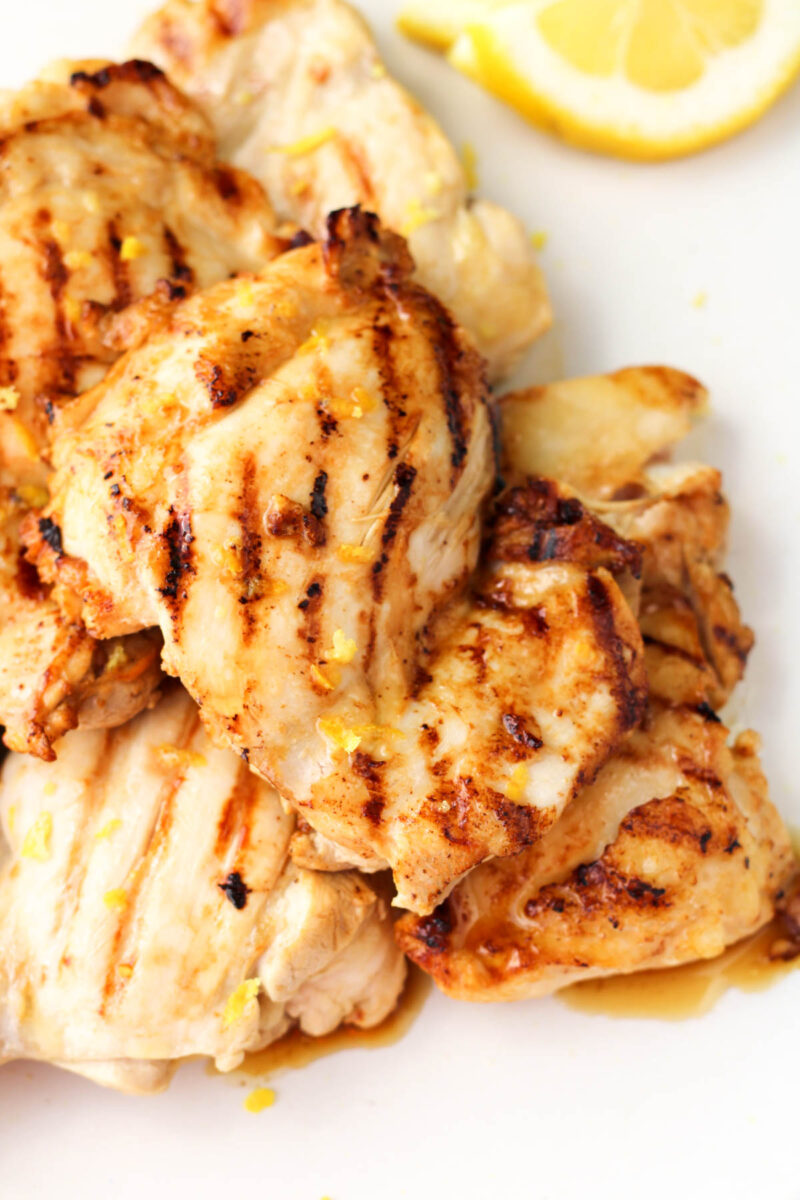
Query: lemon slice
point(645, 79)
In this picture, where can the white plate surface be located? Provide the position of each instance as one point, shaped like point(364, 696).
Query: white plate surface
point(528, 1100)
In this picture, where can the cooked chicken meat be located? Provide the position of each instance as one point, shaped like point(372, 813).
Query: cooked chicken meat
point(109, 193)
point(675, 851)
point(288, 479)
point(149, 909)
point(671, 855)
point(299, 96)
point(598, 433)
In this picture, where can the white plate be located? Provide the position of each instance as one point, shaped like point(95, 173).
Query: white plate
point(528, 1100)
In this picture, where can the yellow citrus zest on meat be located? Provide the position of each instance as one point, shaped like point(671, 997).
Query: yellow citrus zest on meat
point(469, 161)
point(328, 682)
point(227, 559)
point(378, 70)
point(37, 840)
point(298, 187)
point(125, 970)
point(284, 308)
point(12, 818)
point(349, 553)
point(49, 788)
point(312, 141)
point(72, 309)
point(344, 648)
point(77, 259)
point(317, 340)
point(117, 658)
point(116, 898)
point(110, 827)
point(259, 1099)
point(62, 231)
point(349, 737)
point(515, 789)
point(244, 292)
point(131, 248)
point(239, 1001)
point(417, 216)
point(342, 736)
point(244, 96)
point(539, 239)
point(9, 399)
point(359, 402)
point(175, 758)
point(33, 495)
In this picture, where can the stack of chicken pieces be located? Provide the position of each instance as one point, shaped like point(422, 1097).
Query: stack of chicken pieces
point(270, 624)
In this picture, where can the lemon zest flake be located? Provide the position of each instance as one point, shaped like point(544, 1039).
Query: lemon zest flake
point(77, 259)
point(349, 737)
point(116, 659)
point(49, 788)
point(72, 309)
point(469, 161)
point(417, 216)
point(110, 827)
point(9, 399)
point(348, 553)
point(33, 495)
point(328, 682)
point(259, 1099)
point(344, 648)
point(238, 1002)
point(116, 898)
point(517, 780)
point(125, 970)
point(174, 757)
point(130, 249)
point(12, 818)
point(37, 840)
point(305, 145)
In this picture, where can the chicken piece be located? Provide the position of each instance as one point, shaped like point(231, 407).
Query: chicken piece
point(299, 467)
point(299, 96)
point(597, 433)
point(600, 435)
point(109, 185)
point(674, 853)
point(149, 910)
point(109, 192)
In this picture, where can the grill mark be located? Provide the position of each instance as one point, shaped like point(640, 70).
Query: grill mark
point(309, 628)
point(675, 651)
point(96, 790)
point(252, 578)
point(134, 70)
point(630, 698)
point(55, 274)
point(515, 728)
point(177, 537)
point(404, 477)
point(119, 270)
point(319, 505)
point(369, 769)
point(179, 268)
point(236, 810)
point(8, 367)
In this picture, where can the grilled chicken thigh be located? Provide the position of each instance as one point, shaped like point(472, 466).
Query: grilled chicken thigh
point(675, 850)
point(288, 479)
point(149, 909)
point(671, 855)
point(299, 96)
point(109, 193)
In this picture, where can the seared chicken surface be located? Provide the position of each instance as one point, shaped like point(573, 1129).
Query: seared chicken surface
point(300, 97)
point(671, 855)
point(149, 909)
point(675, 851)
point(109, 193)
point(288, 479)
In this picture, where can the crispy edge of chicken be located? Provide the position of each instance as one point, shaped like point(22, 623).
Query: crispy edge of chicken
point(300, 97)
